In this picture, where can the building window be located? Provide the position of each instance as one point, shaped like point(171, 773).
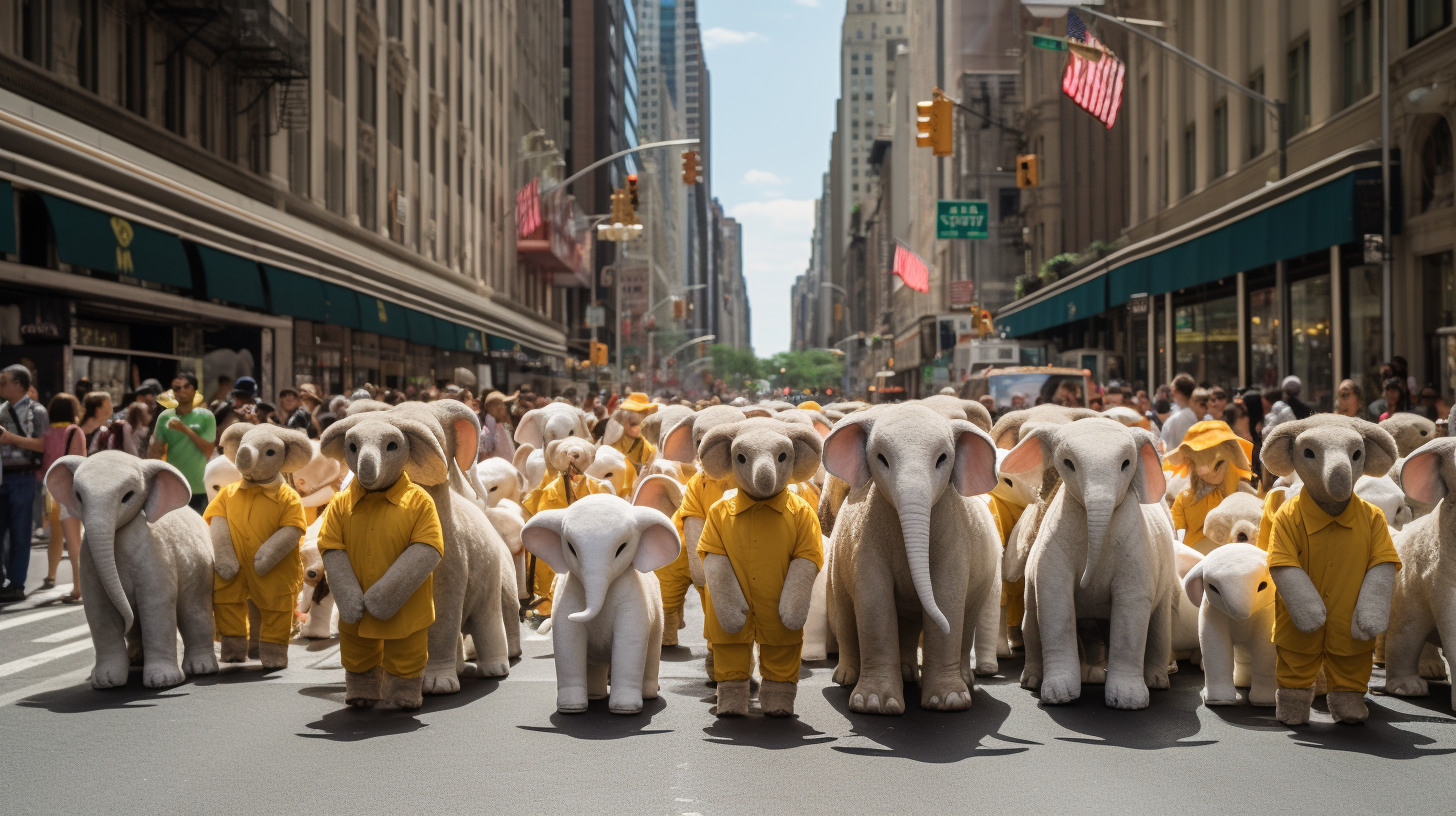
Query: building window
point(1206, 333)
point(1356, 50)
point(1263, 312)
point(869, 70)
point(1257, 127)
point(1190, 159)
point(1436, 176)
point(1220, 139)
point(1297, 91)
point(1427, 17)
point(1310, 357)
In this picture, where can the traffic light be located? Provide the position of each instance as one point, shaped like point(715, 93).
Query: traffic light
point(679, 309)
point(598, 353)
point(632, 191)
point(692, 167)
point(1026, 171)
point(935, 124)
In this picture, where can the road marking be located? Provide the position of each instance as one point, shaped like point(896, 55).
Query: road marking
point(16, 666)
point(65, 634)
point(11, 623)
point(60, 681)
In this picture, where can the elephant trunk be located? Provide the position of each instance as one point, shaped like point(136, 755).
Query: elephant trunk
point(100, 541)
point(595, 585)
point(915, 526)
point(1099, 508)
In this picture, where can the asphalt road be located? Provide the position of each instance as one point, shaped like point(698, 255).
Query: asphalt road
point(246, 741)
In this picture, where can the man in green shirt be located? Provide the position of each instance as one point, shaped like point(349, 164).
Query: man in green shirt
point(184, 437)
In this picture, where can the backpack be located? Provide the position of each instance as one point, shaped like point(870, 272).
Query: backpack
point(57, 443)
point(111, 436)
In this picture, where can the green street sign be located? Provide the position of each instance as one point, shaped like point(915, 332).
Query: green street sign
point(961, 219)
point(1048, 42)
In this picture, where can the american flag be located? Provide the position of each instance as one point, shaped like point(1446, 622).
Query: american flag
point(1096, 87)
point(911, 269)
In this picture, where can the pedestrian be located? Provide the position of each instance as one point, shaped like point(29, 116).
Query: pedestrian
point(1426, 404)
point(1397, 399)
point(292, 414)
point(1183, 418)
point(1199, 404)
point(1218, 399)
point(244, 399)
point(496, 429)
point(1347, 399)
point(95, 414)
point(63, 438)
point(138, 428)
point(1162, 410)
point(1285, 405)
point(184, 437)
point(147, 392)
point(22, 424)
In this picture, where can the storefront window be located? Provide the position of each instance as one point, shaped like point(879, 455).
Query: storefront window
point(1311, 359)
point(1363, 329)
point(1264, 338)
point(1439, 284)
point(1206, 337)
point(366, 359)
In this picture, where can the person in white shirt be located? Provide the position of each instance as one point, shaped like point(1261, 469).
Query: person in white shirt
point(1183, 416)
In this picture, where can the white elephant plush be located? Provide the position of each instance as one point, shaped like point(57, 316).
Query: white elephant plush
point(610, 466)
point(542, 426)
point(1185, 612)
point(495, 479)
point(146, 559)
point(1235, 595)
point(317, 481)
point(219, 473)
point(1423, 605)
point(315, 600)
point(1384, 492)
point(1103, 551)
point(608, 609)
point(1234, 520)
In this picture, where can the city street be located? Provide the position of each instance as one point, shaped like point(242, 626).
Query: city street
point(249, 741)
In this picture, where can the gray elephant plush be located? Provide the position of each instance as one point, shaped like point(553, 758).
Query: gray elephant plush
point(1409, 430)
point(1423, 606)
point(146, 566)
point(912, 554)
point(1103, 551)
point(1332, 560)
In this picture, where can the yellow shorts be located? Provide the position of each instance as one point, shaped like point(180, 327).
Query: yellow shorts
point(734, 661)
point(1013, 597)
point(402, 657)
point(676, 579)
point(231, 620)
point(1343, 672)
point(545, 576)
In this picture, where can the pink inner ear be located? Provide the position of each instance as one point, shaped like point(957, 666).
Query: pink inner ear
point(1420, 477)
point(678, 446)
point(844, 454)
point(657, 547)
point(1193, 586)
point(467, 443)
point(543, 540)
point(975, 465)
point(1153, 482)
point(1026, 457)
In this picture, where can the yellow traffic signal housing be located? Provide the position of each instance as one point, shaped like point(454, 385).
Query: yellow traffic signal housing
point(935, 124)
point(679, 309)
point(618, 202)
point(1026, 171)
point(598, 353)
point(692, 167)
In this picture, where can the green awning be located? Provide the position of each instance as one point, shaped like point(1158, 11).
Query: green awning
point(446, 335)
point(231, 278)
point(96, 240)
point(1079, 302)
point(296, 295)
point(383, 317)
point(421, 327)
point(341, 306)
point(7, 217)
point(500, 343)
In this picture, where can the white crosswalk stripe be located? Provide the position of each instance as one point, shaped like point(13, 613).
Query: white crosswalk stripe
point(11, 623)
point(65, 634)
point(16, 666)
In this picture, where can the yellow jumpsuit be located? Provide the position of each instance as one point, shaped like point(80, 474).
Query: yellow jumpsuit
point(554, 496)
point(699, 495)
point(639, 453)
point(1336, 552)
point(760, 539)
point(1007, 513)
point(1189, 513)
point(254, 513)
point(374, 529)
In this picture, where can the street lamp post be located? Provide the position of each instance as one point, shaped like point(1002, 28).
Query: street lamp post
point(653, 308)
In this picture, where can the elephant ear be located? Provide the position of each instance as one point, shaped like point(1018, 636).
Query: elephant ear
point(464, 425)
point(1277, 453)
point(1419, 474)
point(614, 431)
point(528, 430)
point(522, 454)
point(657, 542)
point(167, 489)
point(659, 492)
point(60, 483)
point(1381, 450)
point(542, 538)
point(232, 439)
point(1028, 456)
point(1193, 584)
point(1234, 449)
point(297, 449)
point(846, 449)
point(977, 414)
point(426, 462)
point(808, 451)
point(1147, 482)
point(975, 460)
point(823, 425)
point(331, 442)
point(716, 452)
point(677, 446)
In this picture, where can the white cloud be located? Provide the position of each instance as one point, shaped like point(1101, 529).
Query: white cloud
point(762, 178)
point(716, 36)
point(776, 237)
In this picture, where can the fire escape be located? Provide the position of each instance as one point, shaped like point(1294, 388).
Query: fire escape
point(261, 43)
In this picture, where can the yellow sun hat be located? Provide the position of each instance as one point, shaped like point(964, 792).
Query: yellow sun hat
point(810, 405)
point(1208, 434)
point(167, 399)
point(639, 402)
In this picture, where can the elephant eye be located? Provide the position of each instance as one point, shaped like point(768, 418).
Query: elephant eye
point(571, 433)
point(1355, 456)
point(1070, 466)
point(271, 451)
point(1263, 585)
point(1423, 433)
point(494, 489)
point(127, 497)
point(353, 448)
point(1213, 588)
point(1308, 454)
point(783, 456)
point(1219, 463)
point(1243, 537)
point(742, 458)
point(883, 460)
point(940, 461)
point(1008, 482)
point(619, 549)
point(1125, 463)
point(392, 446)
point(313, 573)
point(569, 547)
point(607, 475)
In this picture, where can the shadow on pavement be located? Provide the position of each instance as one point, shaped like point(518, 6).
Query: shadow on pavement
point(234, 674)
point(679, 654)
point(769, 733)
point(82, 699)
point(1380, 736)
point(349, 724)
point(927, 736)
point(1169, 720)
point(598, 723)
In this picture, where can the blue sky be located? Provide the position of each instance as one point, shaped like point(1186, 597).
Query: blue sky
point(774, 66)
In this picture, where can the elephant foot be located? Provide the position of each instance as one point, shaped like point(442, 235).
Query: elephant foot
point(1432, 667)
point(1060, 690)
point(1094, 672)
point(498, 668)
point(252, 650)
point(777, 699)
point(362, 689)
point(405, 693)
point(273, 655)
point(1243, 675)
point(110, 673)
point(1156, 678)
point(845, 675)
point(871, 697)
point(1291, 706)
point(314, 631)
point(203, 661)
point(909, 673)
point(441, 680)
point(986, 666)
point(945, 694)
point(1031, 678)
point(1262, 696)
point(732, 699)
point(624, 702)
point(154, 676)
point(1409, 686)
point(1348, 707)
point(571, 700)
point(1128, 694)
point(1218, 698)
point(671, 622)
point(234, 650)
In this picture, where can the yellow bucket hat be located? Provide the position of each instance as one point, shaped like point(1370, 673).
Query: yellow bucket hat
point(639, 402)
point(1208, 434)
point(810, 405)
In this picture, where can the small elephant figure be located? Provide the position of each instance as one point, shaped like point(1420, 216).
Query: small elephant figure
point(658, 423)
point(146, 566)
point(1423, 606)
point(610, 465)
point(1235, 595)
point(219, 473)
point(1103, 551)
point(1409, 430)
point(608, 610)
point(1235, 520)
point(495, 479)
point(541, 426)
point(315, 600)
point(317, 481)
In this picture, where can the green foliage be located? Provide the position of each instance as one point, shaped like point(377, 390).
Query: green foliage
point(812, 368)
point(732, 364)
point(1058, 265)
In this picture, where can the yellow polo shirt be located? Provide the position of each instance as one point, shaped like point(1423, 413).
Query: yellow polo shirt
point(699, 494)
point(254, 513)
point(1335, 552)
point(639, 453)
point(375, 529)
point(552, 495)
point(760, 538)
